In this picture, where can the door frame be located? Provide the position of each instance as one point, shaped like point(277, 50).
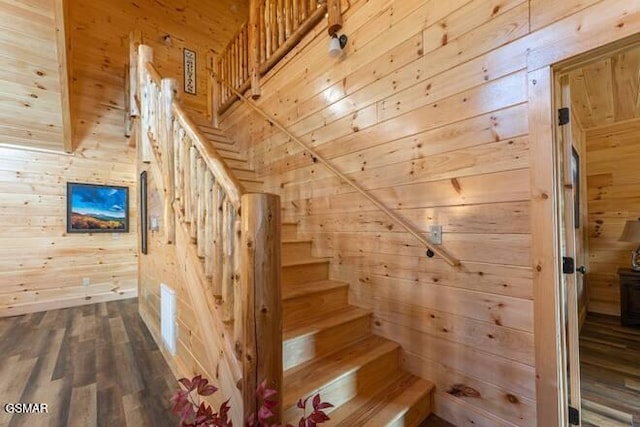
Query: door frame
point(542, 62)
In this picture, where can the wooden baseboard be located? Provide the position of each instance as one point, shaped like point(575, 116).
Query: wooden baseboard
point(34, 307)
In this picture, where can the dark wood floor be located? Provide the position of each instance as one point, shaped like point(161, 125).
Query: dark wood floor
point(610, 372)
point(95, 365)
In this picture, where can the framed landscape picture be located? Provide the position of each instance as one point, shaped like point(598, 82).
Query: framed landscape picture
point(93, 208)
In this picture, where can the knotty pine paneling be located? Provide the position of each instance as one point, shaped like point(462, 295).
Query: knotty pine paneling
point(431, 116)
point(100, 39)
point(42, 266)
point(30, 99)
point(427, 109)
point(613, 193)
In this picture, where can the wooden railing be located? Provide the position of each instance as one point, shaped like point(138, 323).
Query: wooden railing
point(274, 28)
point(432, 249)
point(236, 253)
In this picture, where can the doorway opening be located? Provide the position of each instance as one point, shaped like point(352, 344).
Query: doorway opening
point(598, 185)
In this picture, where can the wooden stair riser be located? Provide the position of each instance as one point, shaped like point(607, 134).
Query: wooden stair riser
point(301, 273)
point(299, 308)
point(326, 341)
point(296, 250)
point(232, 163)
point(244, 174)
point(346, 386)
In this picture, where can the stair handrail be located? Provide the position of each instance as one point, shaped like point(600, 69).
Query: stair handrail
point(431, 248)
point(235, 262)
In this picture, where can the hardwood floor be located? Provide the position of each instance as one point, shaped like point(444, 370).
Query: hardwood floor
point(95, 365)
point(610, 372)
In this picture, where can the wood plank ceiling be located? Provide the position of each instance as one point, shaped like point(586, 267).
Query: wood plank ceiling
point(607, 91)
point(30, 103)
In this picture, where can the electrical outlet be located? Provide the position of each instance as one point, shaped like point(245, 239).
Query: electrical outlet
point(436, 234)
point(86, 281)
point(115, 236)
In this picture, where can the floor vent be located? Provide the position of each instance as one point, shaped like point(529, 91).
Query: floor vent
point(168, 317)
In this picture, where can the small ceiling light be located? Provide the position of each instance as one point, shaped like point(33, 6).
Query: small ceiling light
point(336, 45)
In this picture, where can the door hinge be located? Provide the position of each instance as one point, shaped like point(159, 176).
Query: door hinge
point(563, 116)
point(574, 416)
point(568, 265)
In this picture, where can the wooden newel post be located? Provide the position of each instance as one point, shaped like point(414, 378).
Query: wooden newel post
point(335, 16)
point(260, 277)
point(254, 46)
point(145, 54)
point(135, 40)
point(169, 88)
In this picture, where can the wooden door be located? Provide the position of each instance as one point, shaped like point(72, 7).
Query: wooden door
point(569, 200)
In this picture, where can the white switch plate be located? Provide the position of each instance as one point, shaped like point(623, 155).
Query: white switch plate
point(86, 281)
point(436, 234)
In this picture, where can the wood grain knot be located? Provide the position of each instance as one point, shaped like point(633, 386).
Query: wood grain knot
point(463, 390)
point(512, 398)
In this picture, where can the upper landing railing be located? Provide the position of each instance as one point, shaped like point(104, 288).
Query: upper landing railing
point(274, 28)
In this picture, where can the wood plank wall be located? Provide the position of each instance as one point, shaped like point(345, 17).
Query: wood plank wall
point(613, 153)
point(428, 109)
point(29, 76)
point(41, 266)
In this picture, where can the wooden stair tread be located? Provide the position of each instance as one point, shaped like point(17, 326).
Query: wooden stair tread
point(388, 405)
point(303, 289)
point(304, 261)
point(310, 377)
point(316, 323)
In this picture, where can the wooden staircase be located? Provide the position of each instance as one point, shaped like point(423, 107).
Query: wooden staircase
point(329, 348)
point(236, 161)
point(228, 241)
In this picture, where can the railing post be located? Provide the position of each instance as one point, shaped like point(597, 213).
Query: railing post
point(254, 45)
point(262, 304)
point(169, 88)
point(145, 54)
point(135, 40)
point(335, 16)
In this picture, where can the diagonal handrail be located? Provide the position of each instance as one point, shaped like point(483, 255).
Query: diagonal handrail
point(364, 192)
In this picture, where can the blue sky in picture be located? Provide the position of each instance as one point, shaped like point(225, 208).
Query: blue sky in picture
point(99, 201)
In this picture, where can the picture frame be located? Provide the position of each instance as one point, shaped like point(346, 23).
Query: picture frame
point(96, 208)
point(143, 213)
point(189, 68)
